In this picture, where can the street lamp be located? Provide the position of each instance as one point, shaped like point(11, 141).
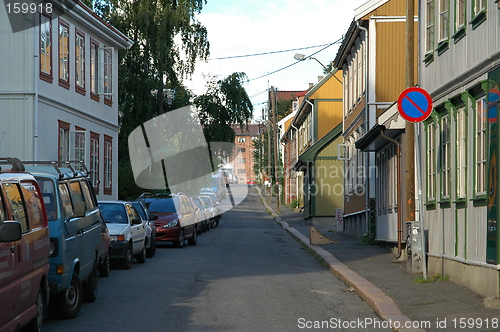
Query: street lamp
point(302, 57)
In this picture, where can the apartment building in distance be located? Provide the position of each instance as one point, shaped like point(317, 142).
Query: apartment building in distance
point(243, 163)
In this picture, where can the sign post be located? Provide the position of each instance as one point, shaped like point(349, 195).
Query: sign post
point(415, 106)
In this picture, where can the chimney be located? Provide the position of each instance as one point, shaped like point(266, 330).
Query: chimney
point(320, 78)
point(311, 85)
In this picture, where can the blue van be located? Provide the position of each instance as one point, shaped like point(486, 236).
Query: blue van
point(75, 235)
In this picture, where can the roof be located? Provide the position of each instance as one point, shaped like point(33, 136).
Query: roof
point(247, 130)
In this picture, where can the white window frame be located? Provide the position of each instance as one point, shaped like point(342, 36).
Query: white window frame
point(431, 161)
point(445, 157)
point(480, 141)
point(444, 20)
point(478, 6)
point(460, 14)
point(430, 30)
point(461, 153)
point(105, 71)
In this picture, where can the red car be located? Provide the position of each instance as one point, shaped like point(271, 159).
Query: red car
point(176, 221)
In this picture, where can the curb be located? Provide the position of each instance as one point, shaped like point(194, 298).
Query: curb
point(383, 305)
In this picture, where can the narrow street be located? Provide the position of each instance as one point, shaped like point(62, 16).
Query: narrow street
point(248, 274)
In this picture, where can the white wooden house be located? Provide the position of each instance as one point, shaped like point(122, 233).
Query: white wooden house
point(459, 65)
point(58, 90)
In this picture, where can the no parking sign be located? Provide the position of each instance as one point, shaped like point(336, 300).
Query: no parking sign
point(415, 104)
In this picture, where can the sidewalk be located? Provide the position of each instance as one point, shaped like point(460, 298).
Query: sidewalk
point(383, 282)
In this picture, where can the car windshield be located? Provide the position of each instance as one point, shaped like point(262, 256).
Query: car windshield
point(164, 205)
point(113, 213)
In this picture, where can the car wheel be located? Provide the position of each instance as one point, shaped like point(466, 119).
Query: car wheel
point(68, 303)
point(194, 238)
point(180, 242)
point(141, 257)
point(151, 251)
point(127, 261)
point(105, 267)
point(35, 325)
point(90, 286)
point(213, 223)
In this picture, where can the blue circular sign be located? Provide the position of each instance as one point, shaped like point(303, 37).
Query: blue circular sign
point(415, 104)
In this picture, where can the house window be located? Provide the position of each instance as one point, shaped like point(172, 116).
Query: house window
point(431, 161)
point(80, 62)
point(461, 153)
point(79, 146)
point(63, 154)
point(360, 70)
point(459, 14)
point(480, 147)
point(94, 67)
point(478, 6)
point(241, 171)
point(444, 20)
point(94, 161)
point(429, 26)
point(241, 139)
point(242, 160)
point(63, 54)
point(108, 75)
point(445, 157)
point(45, 48)
point(242, 150)
point(108, 158)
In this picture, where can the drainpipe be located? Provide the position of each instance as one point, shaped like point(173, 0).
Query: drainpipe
point(367, 121)
point(398, 155)
point(36, 72)
point(297, 157)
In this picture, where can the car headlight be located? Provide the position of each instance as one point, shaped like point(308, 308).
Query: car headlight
point(173, 223)
point(119, 237)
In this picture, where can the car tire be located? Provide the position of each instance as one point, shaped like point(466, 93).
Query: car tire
point(69, 302)
point(151, 251)
point(35, 325)
point(180, 242)
point(127, 261)
point(105, 266)
point(141, 257)
point(90, 286)
point(213, 223)
point(194, 238)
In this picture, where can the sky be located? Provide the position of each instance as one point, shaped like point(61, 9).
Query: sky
point(237, 28)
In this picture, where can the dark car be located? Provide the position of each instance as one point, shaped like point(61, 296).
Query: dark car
point(176, 218)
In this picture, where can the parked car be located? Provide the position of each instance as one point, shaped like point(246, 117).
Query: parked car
point(127, 230)
point(216, 183)
point(24, 250)
point(75, 236)
point(104, 250)
point(150, 221)
point(201, 214)
point(176, 218)
point(211, 211)
point(215, 202)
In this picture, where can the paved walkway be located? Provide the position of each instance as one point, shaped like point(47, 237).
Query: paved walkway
point(383, 282)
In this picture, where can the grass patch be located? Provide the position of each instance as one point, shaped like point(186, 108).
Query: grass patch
point(430, 279)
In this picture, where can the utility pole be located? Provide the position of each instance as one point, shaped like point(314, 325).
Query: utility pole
point(410, 127)
point(269, 157)
point(275, 146)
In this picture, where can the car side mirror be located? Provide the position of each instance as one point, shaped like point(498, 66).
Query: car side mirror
point(10, 231)
point(136, 221)
point(153, 217)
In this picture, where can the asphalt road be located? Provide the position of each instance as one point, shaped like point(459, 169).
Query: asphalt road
point(248, 274)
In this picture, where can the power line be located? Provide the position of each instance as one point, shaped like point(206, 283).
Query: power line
point(294, 63)
point(267, 53)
